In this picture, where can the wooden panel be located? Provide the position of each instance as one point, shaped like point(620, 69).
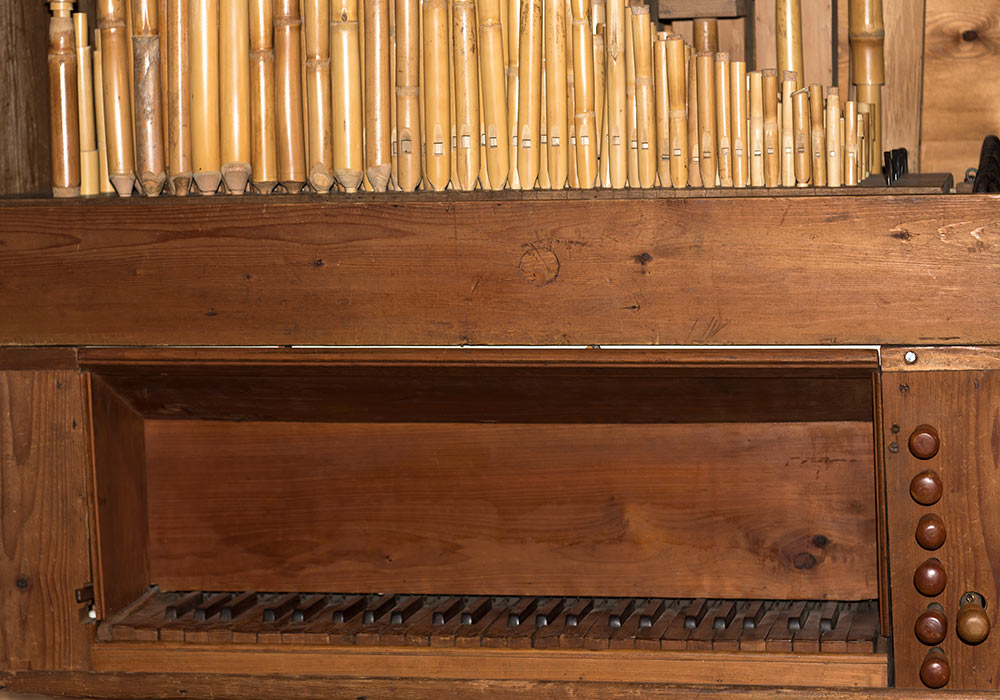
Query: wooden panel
point(606, 271)
point(687, 9)
point(43, 520)
point(939, 358)
point(25, 164)
point(122, 536)
point(508, 664)
point(37, 358)
point(964, 406)
point(818, 38)
point(962, 52)
point(514, 509)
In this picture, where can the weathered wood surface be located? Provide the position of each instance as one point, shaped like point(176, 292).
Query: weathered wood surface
point(964, 408)
point(44, 550)
point(402, 270)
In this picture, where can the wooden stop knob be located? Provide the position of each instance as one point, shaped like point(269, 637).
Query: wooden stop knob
point(973, 624)
point(930, 578)
point(924, 442)
point(926, 488)
point(932, 626)
point(935, 672)
point(930, 532)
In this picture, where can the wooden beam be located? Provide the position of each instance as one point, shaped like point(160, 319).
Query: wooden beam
point(689, 9)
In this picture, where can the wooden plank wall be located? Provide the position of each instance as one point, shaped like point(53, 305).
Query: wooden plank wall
point(44, 544)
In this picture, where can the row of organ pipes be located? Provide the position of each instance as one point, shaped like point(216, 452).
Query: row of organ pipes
point(214, 96)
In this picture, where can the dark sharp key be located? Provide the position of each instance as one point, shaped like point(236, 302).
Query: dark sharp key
point(575, 637)
point(281, 607)
point(549, 612)
point(495, 620)
point(599, 636)
point(724, 616)
point(649, 637)
point(676, 634)
point(405, 611)
point(755, 638)
point(446, 611)
point(522, 611)
point(701, 636)
point(780, 636)
point(521, 637)
point(547, 637)
point(829, 616)
point(476, 610)
point(807, 639)
point(694, 615)
point(864, 630)
point(579, 611)
point(212, 606)
point(309, 608)
point(729, 638)
point(798, 615)
point(754, 614)
point(652, 613)
point(415, 628)
point(382, 618)
point(238, 605)
point(183, 606)
point(621, 612)
point(836, 639)
point(345, 611)
point(378, 607)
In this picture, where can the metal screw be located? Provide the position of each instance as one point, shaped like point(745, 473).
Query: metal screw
point(910, 357)
point(894, 447)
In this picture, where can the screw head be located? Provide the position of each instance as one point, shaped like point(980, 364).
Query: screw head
point(910, 357)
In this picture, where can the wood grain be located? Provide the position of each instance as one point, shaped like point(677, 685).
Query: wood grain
point(688, 9)
point(37, 358)
point(191, 686)
point(514, 509)
point(25, 165)
point(561, 665)
point(961, 51)
point(605, 271)
point(940, 358)
point(121, 544)
point(43, 520)
point(964, 407)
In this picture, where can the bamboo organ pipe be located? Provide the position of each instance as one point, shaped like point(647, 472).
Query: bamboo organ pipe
point(178, 103)
point(801, 116)
point(787, 134)
point(850, 169)
point(348, 118)
point(263, 147)
point(706, 118)
point(407, 94)
point(866, 33)
point(117, 99)
point(513, 27)
point(738, 107)
point(104, 184)
point(64, 102)
point(756, 85)
point(89, 160)
point(818, 131)
point(556, 118)
point(772, 135)
point(468, 149)
point(436, 89)
point(678, 114)
point(694, 127)
point(723, 117)
point(204, 37)
point(319, 100)
point(706, 35)
point(147, 101)
point(864, 123)
point(661, 84)
point(644, 97)
point(788, 38)
point(834, 156)
point(583, 84)
point(376, 76)
point(491, 70)
point(615, 97)
point(600, 89)
point(572, 176)
point(234, 94)
point(630, 106)
point(529, 93)
point(289, 134)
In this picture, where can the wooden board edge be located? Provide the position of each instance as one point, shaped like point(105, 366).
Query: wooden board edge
point(38, 358)
point(939, 358)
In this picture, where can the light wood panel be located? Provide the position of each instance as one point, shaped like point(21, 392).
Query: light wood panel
point(509, 664)
point(44, 550)
point(766, 510)
point(964, 407)
point(962, 58)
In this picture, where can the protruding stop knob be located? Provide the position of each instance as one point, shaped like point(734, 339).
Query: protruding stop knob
point(926, 488)
point(973, 624)
point(924, 442)
point(935, 671)
point(930, 578)
point(932, 626)
point(930, 532)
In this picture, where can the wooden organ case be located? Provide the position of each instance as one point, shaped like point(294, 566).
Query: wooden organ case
point(197, 504)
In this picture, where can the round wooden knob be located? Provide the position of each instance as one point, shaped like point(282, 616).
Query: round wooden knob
point(932, 626)
point(930, 532)
point(926, 488)
point(973, 624)
point(935, 671)
point(924, 442)
point(930, 578)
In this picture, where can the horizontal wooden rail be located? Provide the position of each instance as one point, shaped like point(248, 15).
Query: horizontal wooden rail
point(447, 270)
